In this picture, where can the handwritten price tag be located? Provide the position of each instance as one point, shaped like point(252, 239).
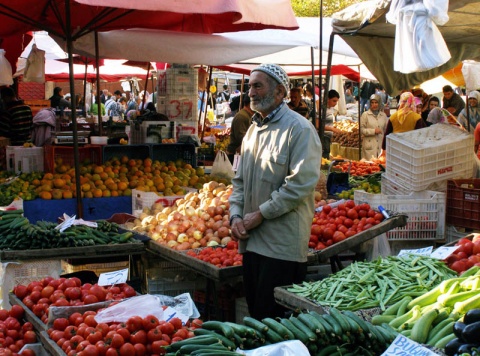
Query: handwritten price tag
point(426, 251)
point(180, 109)
point(443, 252)
point(111, 278)
point(406, 347)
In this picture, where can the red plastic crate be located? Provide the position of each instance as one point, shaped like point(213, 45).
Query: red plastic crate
point(88, 153)
point(463, 203)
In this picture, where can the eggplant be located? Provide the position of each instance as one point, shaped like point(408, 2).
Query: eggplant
point(471, 333)
point(452, 347)
point(472, 316)
point(458, 329)
point(466, 348)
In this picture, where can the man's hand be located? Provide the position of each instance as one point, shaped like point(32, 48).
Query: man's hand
point(239, 231)
point(252, 220)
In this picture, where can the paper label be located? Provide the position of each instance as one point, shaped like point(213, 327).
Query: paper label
point(170, 313)
point(426, 251)
point(443, 252)
point(236, 162)
point(114, 277)
point(403, 346)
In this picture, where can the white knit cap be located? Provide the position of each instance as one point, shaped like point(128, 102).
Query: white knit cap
point(475, 95)
point(276, 72)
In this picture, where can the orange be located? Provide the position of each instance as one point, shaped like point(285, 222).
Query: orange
point(86, 187)
point(57, 194)
point(88, 195)
point(48, 176)
point(147, 162)
point(45, 195)
point(36, 182)
point(132, 163)
point(124, 159)
point(107, 193)
point(112, 186)
point(98, 169)
point(97, 193)
point(59, 183)
point(67, 194)
point(115, 193)
point(122, 185)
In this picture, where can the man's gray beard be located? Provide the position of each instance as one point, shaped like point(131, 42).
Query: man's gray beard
point(266, 103)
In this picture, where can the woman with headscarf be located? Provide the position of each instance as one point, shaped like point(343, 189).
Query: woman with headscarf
point(405, 118)
point(441, 116)
point(372, 126)
point(473, 111)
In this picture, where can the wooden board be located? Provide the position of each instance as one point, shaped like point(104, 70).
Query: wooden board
point(295, 302)
point(205, 269)
point(50, 345)
point(133, 248)
point(38, 324)
point(356, 240)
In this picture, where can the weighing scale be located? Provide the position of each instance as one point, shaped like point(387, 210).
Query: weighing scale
point(65, 138)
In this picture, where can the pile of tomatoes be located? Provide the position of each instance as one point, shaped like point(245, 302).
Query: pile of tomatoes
point(465, 256)
point(81, 335)
point(333, 225)
point(219, 256)
point(38, 296)
point(359, 168)
point(14, 333)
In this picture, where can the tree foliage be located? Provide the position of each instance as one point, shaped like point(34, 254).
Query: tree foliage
point(311, 8)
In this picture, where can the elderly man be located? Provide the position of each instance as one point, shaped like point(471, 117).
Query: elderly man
point(296, 102)
point(272, 206)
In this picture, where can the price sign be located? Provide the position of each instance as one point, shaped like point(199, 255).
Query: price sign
point(180, 109)
point(426, 251)
point(443, 252)
point(111, 278)
point(169, 313)
point(406, 347)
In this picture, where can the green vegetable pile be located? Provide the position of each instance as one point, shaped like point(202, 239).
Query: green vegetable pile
point(18, 234)
point(364, 285)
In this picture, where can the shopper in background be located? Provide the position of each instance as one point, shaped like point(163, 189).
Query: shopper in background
point(372, 127)
point(111, 105)
point(240, 124)
point(104, 96)
point(57, 101)
point(404, 119)
point(473, 112)
point(452, 101)
point(418, 105)
point(16, 119)
point(94, 109)
point(349, 98)
point(330, 129)
point(225, 94)
point(271, 206)
point(433, 102)
point(311, 99)
point(297, 104)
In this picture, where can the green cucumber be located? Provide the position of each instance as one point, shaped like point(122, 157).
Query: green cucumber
point(299, 334)
point(254, 323)
point(304, 328)
point(337, 329)
point(278, 328)
point(340, 319)
point(315, 325)
point(219, 327)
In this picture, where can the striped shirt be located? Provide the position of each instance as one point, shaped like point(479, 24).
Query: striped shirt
point(16, 122)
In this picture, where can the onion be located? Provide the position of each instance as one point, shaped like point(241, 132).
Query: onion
point(190, 231)
point(219, 210)
point(218, 217)
point(172, 227)
point(189, 211)
point(223, 232)
point(197, 235)
point(182, 238)
point(196, 244)
point(171, 237)
point(217, 225)
point(212, 243)
point(226, 240)
point(172, 243)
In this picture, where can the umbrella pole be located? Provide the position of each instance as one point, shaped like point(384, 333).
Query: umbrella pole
point(98, 100)
point(74, 111)
point(327, 84)
point(312, 59)
point(84, 109)
point(146, 85)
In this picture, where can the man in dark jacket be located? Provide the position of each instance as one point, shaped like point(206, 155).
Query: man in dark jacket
point(16, 120)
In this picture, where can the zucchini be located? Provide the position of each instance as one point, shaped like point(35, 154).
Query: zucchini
point(328, 350)
point(299, 334)
point(197, 340)
point(273, 337)
point(304, 328)
point(337, 329)
point(188, 349)
point(220, 327)
point(328, 328)
point(278, 328)
point(382, 318)
point(422, 326)
point(444, 341)
point(446, 330)
point(241, 330)
point(340, 320)
point(434, 331)
point(315, 325)
point(256, 324)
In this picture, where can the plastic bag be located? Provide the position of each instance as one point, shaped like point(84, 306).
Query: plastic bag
point(285, 348)
point(142, 306)
point(35, 68)
point(222, 168)
point(6, 75)
point(377, 247)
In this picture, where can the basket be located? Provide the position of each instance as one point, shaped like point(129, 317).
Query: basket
point(463, 203)
point(130, 151)
point(24, 159)
point(425, 210)
point(206, 153)
point(337, 181)
point(14, 273)
point(419, 158)
point(86, 154)
point(173, 152)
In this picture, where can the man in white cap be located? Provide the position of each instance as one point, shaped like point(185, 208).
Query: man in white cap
point(272, 204)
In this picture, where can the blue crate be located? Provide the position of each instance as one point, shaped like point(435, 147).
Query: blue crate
point(131, 151)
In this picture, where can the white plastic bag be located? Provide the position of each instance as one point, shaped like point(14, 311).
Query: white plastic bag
point(35, 67)
point(222, 168)
point(142, 306)
point(6, 75)
point(285, 348)
point(377, 247)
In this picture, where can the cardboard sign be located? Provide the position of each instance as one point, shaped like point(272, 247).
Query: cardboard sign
point(111, 278)
point(403, 346)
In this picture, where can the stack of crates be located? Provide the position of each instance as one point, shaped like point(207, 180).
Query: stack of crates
point(425, 159)
point(24, 159)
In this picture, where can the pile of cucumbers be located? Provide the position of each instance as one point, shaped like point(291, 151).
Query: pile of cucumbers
point(334, 333)
point(467, 332)
point(19, 234)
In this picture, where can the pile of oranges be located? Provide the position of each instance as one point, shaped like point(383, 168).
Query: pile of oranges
point(118, 176)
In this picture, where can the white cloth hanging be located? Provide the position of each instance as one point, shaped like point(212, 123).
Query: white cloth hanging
point(35, 67)
point(471, 74)
point(6, 75)
point(419, 45)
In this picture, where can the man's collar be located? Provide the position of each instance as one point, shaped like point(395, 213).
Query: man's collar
point(257, 117)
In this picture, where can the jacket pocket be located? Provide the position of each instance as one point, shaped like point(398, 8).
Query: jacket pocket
point(273, 165)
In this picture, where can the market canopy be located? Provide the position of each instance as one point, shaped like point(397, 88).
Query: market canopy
point(364, 27)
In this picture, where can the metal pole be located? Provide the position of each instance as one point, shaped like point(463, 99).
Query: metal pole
point(312, 59)
point(98, 100)
point(208, 95)
point(327, 83)
point(359, 126)
point(76, 157)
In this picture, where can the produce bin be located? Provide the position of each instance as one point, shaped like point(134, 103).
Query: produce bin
point(130, 151)
point(463, 203)
point(24, 159)
point(391, 187)
point(64, 154)
point(174, 151)
point(425, 211)
point(419, 159)
point(98, 266)
point(141, 199)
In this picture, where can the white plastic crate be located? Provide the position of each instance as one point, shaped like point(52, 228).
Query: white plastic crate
point(182, 81)
point(24, 159)
point(181, 107)
point(391, 187)
point(454, 233)
point(425, 210)
point(13, 273)
point(419, 158)
point(145, 132)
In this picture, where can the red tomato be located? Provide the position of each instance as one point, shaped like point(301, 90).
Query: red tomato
point(117, 341)
point(177, 323)
point(466, 247)
point(328, 233)
point(99, 292)
point(476, 248)
point(16, 312)
point(73, 293)
point(338, 236)
point(90, 299)
point(127, 349)
point(140, 349)
point(154, 334)
point(350, 204)
point(316, 230)
point(458, 266)
point(326, 209)
point(352, 214)
point(60, 324)
point(124, 333)
point(20, 291)
point(320, 246)
point(158, 347)
point(134, 323)
point(138, 337)
point(463, 240)
point(129, 291)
